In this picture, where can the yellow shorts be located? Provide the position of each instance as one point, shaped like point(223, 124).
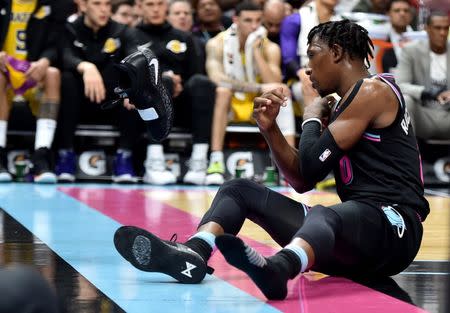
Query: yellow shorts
point(242, 110)
point(32, 96)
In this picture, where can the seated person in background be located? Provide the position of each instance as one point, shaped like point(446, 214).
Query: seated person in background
point(193, 93)
point(28, 43)
point(209, 19)
point(400, 15)
point(293, 41)
point(423, 74)
point(180, 16)
point(243, 63)
point(93, 44)
point(122, 11)
point(273, 15)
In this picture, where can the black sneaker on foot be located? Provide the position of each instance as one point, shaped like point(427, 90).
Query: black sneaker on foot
point(42, 170)
point(148, 253)
point(264, 273)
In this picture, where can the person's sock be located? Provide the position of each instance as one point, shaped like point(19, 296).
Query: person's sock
point(269, 275)
point(216, 156)
point(203, 243)
point(199, 151)
point(3, 130)
point(288, 261)
point(45, 131)
point(155, 151)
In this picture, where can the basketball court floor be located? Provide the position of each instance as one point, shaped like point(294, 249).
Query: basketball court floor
point(66, 231)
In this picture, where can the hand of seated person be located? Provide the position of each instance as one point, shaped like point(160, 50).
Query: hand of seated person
point(444, 97)
point(177, 82)
point(431, 93)
point(3, 61)
point(128, 105)
point(38, 69)
point(94, 88)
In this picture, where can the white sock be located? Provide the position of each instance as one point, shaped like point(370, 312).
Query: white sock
point(45, 131)
point(155, 152)
point(301, 254)
point(3, 130)
point(199, 151)
point(216, 156)
point(208, 237)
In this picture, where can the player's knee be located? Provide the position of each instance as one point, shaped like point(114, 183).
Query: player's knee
point(234, 186)
point(53, 73)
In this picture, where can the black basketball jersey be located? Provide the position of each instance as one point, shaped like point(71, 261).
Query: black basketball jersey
point(385, 165)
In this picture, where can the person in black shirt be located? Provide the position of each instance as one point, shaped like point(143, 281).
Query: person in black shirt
point(366, 138)
point(93, 44)
point(193, 93)
point(29, 35)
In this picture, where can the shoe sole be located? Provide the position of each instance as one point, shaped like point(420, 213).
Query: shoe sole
point(46, 178)
point(66, 177)
point(124, 179)
point(151, 254)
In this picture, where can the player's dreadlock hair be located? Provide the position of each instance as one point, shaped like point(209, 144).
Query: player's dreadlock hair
point(353, 38)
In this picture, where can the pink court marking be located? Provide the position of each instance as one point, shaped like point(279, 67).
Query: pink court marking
point(306, 295)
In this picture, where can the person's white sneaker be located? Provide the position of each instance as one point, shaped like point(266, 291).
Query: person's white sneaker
point(156, 173)
point(215, 174)
point(196, 173)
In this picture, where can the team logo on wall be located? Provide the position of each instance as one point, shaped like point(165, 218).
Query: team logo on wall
point(243, 160)
point(92, 163)
point(176, 46)
point(18, 157)
point(442, 169)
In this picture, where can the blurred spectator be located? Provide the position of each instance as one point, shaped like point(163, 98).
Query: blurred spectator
point(423, 75)
point(372, 6)
point(244, 63)
point(122, 11)
point(136, 13)
point(273, 15)
point(293, 39)
point(28, 41)
point(209, 21)
point(24, 290)
point(93, 44)
point(180, 16)
point(288, 9)
point(400, 15)
point(193, 94)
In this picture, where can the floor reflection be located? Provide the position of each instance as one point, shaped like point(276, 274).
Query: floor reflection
point(75, 293)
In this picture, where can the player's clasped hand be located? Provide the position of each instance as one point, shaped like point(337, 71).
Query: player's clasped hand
point(267, 106)
point(319, 108)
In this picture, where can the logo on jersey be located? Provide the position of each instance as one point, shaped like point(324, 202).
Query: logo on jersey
point(176, 46)
point(189, 268)
point(111, 45)
point(43, 12)
point(405, 122)
point(325, 155)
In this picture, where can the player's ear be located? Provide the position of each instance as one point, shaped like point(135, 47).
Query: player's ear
point(337, 53)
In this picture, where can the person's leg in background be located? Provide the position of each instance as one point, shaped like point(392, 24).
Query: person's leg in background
point(216, 169)
point(202, 95)
point(43, 164)
point(5, 176)
point(73, 99)
point(156, 171)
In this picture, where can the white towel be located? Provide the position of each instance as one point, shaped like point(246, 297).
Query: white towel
point(232, 60)
point(308, 19)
